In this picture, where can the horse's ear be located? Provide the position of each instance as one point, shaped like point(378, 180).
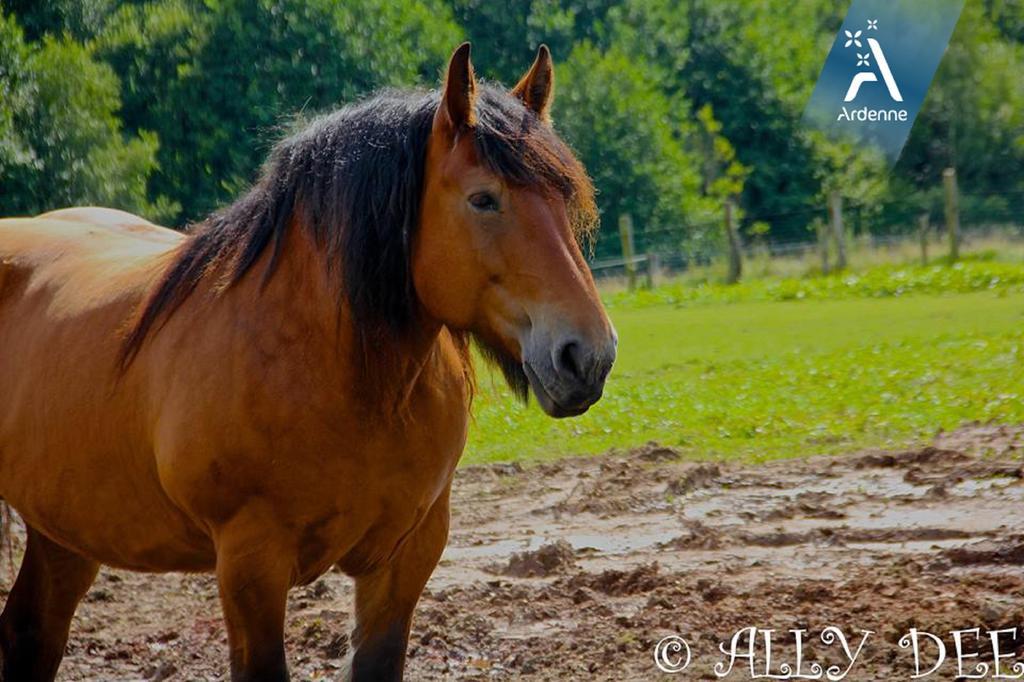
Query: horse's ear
point(538, 85)
point(457, 108)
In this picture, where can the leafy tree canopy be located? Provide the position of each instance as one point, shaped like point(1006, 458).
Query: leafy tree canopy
point(674, 105)
point(61, 142)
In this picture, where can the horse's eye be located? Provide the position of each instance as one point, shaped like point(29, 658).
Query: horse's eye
point(483, 201)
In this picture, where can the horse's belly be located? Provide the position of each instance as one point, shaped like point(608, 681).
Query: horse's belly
point(122, 537)
point(74, 455)
point(100, 503)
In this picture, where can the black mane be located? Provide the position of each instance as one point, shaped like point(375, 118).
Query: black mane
point(356, 178)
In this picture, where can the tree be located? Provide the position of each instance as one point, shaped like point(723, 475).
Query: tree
point(631, 139)
point(15, 100)
point(973, 115)
point(61, 142)
point(1008, 17)
point(79, 18)
point(704, 56)
point(174, 103)
point(217, 81)
point(507, 34)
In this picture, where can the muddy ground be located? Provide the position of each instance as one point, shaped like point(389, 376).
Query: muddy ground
point(573, 571)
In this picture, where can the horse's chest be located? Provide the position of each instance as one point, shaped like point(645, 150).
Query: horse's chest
point(371, 527)
point(401, 474)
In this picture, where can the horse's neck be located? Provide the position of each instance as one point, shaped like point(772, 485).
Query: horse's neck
point(297, 311)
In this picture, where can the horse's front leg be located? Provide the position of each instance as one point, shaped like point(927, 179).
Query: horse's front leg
point(254, 571)
point(385, 600)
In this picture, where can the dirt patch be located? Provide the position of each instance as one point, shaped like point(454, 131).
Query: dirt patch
point(557, 557)
point(575, 569)
point(700, 476)
point(639, 580)
point(1008, 551)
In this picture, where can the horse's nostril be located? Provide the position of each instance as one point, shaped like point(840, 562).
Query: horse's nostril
point(569, 360)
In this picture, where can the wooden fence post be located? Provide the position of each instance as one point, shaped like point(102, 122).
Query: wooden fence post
point(821, 231)
point(835, 213)
point(735, 255)
point(626, 236)
point(952, 213)
point(922, 236)
point(653, 263)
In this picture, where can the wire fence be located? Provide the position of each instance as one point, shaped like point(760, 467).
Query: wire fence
point(894, 225)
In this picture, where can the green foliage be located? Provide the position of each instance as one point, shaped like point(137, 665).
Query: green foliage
point(217, 81)
point(79, 18)
point(673, 105)
point(725, 175)
point(706, 58)
point(60, 139)
point(608, 108)
point(506, 34)
point(787, 43)
point(973, 115)
point(15, 98)
point(1008, 17)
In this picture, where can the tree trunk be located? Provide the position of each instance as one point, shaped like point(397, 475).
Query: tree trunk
point(735, 255)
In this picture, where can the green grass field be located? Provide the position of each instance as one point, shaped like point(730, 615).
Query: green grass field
point(754, 375)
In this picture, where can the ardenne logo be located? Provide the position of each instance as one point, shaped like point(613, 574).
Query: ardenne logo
point(878, 70)
point(869, 75)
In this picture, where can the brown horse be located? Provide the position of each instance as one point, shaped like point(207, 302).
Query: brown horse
point(288, 386)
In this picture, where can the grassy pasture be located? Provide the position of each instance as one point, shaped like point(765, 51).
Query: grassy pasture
point(779, 368)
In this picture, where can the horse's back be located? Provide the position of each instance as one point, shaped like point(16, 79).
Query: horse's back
point(69, 281)
point(80, 259)
point(112, 217)
point(79, 233)
point(118, 221)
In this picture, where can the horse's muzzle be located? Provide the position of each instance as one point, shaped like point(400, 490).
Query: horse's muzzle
point(567, 376)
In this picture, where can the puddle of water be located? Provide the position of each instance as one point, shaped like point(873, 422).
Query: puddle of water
point(911, 546)
point(492, 549)
point(859, 495)
point(979, 485)
point(619, 539)
point(728, 505)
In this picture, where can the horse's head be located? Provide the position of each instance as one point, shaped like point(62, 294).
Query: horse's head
point(497, 254)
